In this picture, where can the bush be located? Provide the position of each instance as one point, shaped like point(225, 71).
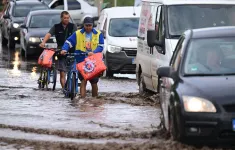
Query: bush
point(121, 2)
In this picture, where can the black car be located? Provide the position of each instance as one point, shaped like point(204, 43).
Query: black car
point(37, 24)
point(197, 90)
point(15, 15)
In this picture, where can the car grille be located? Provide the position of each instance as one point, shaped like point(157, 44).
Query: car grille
point(227, 134)
point(130, 52)
point(51, 40)
point(129, 68)
point(229, 108)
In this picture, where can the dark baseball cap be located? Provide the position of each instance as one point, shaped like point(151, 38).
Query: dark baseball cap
point(88, 20)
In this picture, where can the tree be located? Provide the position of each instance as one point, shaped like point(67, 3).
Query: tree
point(121, 2)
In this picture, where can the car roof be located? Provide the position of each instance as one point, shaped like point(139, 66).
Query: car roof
point(122, 12)
point(212, 32)
point(49, 11)
point(185, 2)
point(28, 2)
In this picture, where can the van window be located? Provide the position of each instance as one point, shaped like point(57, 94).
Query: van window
point(183, 17)
point(160, 24)
point(73, 5)
point(58, 5)
point(123, 27)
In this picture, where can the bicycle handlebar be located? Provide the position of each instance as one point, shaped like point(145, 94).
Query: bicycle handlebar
point(76, 54)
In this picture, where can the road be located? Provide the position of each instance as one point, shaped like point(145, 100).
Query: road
point(35, 119)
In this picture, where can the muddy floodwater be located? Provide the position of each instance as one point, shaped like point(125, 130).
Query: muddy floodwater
point(38, 119)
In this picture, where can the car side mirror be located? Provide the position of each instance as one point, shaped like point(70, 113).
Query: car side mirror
point(164, 72)
point(23, 26)
point(167, 72)
point(151, 39)
point(6, 16)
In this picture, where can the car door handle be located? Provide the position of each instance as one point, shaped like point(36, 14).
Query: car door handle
point(142, 38)
point(82, 12)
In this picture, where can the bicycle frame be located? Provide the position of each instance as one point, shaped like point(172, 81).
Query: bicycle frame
point(72, 70)
point(48, 71)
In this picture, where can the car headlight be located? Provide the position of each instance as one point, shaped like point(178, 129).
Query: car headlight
point(34, 39)
point(196, 104)
point(16, 25)
point(114, 49)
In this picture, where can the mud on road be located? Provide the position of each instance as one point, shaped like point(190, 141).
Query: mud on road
point(35, 119)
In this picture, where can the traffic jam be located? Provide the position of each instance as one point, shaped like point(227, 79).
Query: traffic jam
point(159, 74)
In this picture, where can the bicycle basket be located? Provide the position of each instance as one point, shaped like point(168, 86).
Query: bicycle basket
point(92, 67)
point(46, 58)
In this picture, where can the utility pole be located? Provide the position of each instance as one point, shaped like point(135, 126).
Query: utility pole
point(99, 5)
point(115, 3)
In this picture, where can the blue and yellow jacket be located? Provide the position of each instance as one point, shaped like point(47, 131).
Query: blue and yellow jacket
point(78, 40)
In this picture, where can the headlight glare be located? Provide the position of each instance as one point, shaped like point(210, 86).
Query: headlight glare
point(34, 40)
point(114, 49)
point(16, 25)
point(196, 104)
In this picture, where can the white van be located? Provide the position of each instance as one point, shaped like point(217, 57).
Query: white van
point(78, 9)
point(120, 28)
point(164, 21)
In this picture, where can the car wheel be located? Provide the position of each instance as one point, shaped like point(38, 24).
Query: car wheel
point(175, 134)
point(162, 118)
point(142, 86)
point(11, 42)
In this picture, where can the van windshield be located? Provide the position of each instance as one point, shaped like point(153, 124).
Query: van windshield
point(124, 27)
point(183, 17)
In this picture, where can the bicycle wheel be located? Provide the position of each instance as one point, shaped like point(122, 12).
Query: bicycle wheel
point(67, 86)
point(54, 78)
point(40, 80)
point(45, 80)
point(73, 87)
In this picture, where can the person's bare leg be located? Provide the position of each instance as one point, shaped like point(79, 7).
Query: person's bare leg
point(62, 78)
point(94, 90)
point(83, 88)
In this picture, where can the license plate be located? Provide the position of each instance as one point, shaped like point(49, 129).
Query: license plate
point(233, 124)
point(133, 61)
point(51, 45)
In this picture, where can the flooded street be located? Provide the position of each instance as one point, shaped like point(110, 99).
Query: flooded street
point(34, 119)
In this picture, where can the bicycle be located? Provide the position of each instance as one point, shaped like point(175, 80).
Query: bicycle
point(71, 85)
point(46, 74)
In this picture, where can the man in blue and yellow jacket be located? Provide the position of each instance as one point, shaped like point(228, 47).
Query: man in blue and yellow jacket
point(87, 40)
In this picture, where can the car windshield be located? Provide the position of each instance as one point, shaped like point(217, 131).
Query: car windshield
point(47, 1)
point(183, 17)
point(124, 27)
point(213, 56)
point(23, 10)
point(44, 21)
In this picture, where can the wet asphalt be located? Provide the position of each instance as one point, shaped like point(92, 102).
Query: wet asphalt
point(38, 119)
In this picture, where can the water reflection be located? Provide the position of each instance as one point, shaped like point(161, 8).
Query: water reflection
point(16, 63)
point(90, 108)
point(33, 73)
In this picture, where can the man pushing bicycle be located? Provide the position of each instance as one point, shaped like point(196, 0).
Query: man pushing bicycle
point(88, 40)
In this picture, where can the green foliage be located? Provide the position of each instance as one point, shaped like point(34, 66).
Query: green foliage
point(121, 2)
